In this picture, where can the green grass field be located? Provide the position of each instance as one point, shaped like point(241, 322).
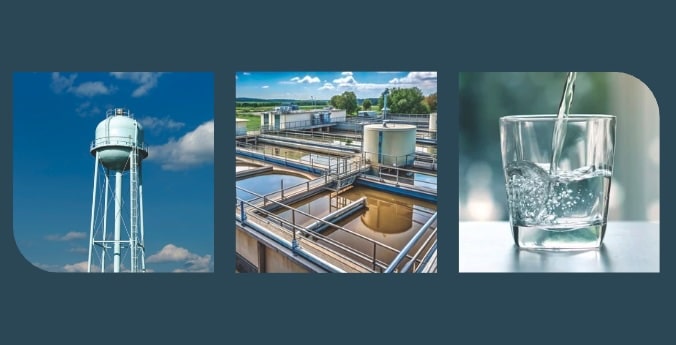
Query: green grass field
point(254, 123)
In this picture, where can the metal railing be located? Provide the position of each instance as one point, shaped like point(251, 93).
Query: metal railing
point(411, 243)
point(118, 141)
point(317, 135)
point(285, 193)
point(418, 118)
point(370, 262)
point(326, 163)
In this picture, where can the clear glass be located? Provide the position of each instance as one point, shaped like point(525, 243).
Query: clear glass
point(565, 206)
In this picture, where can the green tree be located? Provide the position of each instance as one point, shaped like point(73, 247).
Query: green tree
point(431, 101)
point(366, 104)
point(337, 102)
point(405, 101)
point(350, 102)
point(347, 101)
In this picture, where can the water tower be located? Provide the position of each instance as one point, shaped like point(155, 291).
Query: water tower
point(118, 149)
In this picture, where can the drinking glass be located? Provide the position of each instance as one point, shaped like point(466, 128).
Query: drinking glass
point(563, 205)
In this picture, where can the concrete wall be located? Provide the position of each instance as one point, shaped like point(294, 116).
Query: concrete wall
point(254, 251)
point(276, 262)
point(338, 115)
point(295, 119)
point(246, 246)
point(240, 129)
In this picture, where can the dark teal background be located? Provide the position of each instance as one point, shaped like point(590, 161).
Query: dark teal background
point(423, 35)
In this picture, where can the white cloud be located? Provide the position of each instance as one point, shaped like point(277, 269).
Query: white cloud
point(416, 78)
point(72, 235)
point(346, 81)
point(48, 267)
point(193, 149)
point(265, 86)
point(80, 267)
point(327, 86)
point(91, 89)
point(87, 109)
point(62, 84)
point(306, 79)
point(191, 262)
point(426, 81)
point(145, 80)
point(79, 250)
point(156, 123)
point(169, 253)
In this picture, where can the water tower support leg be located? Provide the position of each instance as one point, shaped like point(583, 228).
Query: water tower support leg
point(105, 219)
point(91, 224)
point(140, 200)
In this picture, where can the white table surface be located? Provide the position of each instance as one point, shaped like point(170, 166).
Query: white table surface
point(627, 247)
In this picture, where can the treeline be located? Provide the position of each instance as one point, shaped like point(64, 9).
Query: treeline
point(280, 103)
point(399, 101)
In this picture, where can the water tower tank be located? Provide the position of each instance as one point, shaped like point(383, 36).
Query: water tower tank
point(115, 137)
point(390, 144)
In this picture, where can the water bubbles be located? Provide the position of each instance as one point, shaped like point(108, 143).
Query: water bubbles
point(527, 187)
point(535, 198)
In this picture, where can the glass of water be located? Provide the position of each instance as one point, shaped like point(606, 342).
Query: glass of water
point(558, 187)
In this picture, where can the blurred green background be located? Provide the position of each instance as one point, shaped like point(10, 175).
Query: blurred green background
point(486, 96)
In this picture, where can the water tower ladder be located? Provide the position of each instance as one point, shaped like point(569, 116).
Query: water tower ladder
point(133, 185)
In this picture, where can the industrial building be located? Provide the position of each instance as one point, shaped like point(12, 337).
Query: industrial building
point(285, 118)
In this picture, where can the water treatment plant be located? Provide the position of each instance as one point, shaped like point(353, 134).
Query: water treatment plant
point(320, 191)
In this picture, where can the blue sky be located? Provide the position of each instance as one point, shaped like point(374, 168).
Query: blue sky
point(324, 85)
point(54, 118)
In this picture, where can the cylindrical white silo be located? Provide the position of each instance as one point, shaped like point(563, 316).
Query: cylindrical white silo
point(433, 122)
point(390, 144)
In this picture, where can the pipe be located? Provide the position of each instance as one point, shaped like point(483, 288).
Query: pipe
point(327, 266)
point(118, 221)
point(415, 256)
point(314, 147)
point(140, 200)
point(410, 244)
point(263, 157)
point(297, 141)
point(427, 258)
point(320, 225)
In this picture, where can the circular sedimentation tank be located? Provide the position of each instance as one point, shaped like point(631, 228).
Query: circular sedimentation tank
point(115, 137)
point(387, 217)
point(390, 144)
